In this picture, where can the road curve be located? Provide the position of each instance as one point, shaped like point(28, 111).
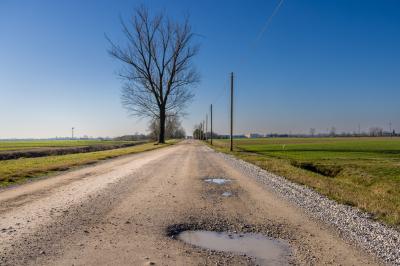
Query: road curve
point(122, 212)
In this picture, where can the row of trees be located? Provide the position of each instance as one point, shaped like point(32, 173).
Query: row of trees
point(373, 132)
point(173, 130)
point(198, 132)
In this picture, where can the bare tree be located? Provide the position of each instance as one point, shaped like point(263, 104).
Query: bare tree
point(312, 132)
point(158, 70)
point(332, 131)
point(376, 131)
point(173, 128)
point(198, 131)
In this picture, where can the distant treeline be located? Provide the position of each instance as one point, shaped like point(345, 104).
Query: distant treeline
point(374, 132)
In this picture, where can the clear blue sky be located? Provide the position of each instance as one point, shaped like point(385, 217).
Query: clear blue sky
point(319, 64)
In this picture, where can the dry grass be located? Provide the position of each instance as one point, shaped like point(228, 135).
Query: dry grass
point(19, 170)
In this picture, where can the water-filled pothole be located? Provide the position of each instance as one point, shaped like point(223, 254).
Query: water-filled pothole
point(219, 181)
point(227, 194)
point(265, 250)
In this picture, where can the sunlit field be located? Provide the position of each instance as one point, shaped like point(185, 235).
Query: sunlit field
point(19, 170)
point(32, 144)
point(364, 172)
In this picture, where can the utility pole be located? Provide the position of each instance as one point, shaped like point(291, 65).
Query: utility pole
point(200, 131)
point(211, 124)
point(204, 134)
point(199, 137)
point(231, 148)
point(206, 125)
point(390, 128)
point(73, 133)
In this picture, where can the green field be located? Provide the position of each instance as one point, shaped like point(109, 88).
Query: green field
point(36, 144)
point(363, 172)
point(20, 170)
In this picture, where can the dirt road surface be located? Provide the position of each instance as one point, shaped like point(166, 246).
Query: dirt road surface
point(125, 211)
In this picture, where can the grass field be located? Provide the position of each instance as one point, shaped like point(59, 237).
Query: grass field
point(10, 150)
point(19, 170)
point(363, 172)
point(23, 145)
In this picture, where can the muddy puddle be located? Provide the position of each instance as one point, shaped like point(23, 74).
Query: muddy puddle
point(227, 194)
point(265, 250)
point(218, 181)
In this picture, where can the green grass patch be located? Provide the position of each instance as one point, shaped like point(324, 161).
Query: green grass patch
point(6, 145)
point(362, 172)
point(18, 171)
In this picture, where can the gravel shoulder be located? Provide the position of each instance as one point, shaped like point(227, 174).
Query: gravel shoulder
point(126, 211)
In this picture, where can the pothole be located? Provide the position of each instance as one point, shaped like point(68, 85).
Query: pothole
point(218, 181)
point(227, 194)
point(265, 250)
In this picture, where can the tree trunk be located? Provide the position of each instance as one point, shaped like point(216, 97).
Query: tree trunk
point(161, 137)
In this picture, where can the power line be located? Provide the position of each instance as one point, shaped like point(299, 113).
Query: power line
point(220, 93)
point(258, 38)
point(263, 30)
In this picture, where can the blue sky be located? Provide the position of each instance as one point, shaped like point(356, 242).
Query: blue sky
point(319, 64)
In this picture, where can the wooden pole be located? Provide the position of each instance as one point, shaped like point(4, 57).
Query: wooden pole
point(231, 148)
point(211, 126)
point(206, 125)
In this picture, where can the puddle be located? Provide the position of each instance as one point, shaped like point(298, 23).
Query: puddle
point(219, 181)
point(266, 251)
point(227, 194)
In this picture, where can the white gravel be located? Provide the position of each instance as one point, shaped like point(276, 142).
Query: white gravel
point(352, 224)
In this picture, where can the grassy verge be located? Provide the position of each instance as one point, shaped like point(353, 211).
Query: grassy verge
point(18, 171)
point(360, 172)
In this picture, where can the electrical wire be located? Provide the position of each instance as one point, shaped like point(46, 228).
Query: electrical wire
point(262, 32)
point(251, 48)
point(256, 41)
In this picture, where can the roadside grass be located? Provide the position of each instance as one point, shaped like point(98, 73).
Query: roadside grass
point(361, 172)
point(18, 171)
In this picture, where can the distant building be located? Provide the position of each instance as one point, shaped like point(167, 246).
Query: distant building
point(254, 135)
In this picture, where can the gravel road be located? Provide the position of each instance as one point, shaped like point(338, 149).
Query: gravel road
point(127, 211)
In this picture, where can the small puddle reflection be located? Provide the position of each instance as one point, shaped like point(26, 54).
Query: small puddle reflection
point(266, 251)
point(219, 181)
point(227, 194)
